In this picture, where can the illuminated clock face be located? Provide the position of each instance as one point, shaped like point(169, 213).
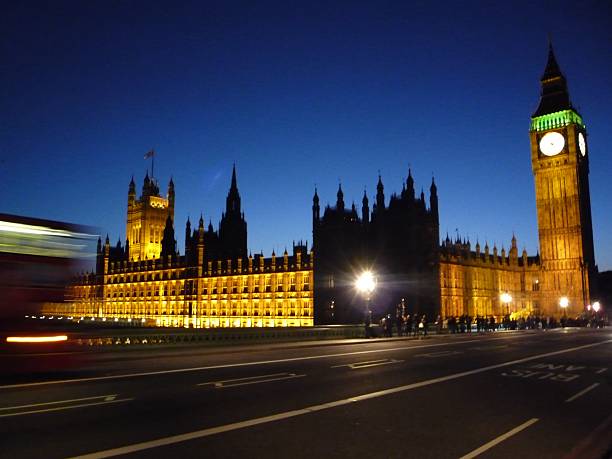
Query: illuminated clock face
point(582, 144)
point(552, 143)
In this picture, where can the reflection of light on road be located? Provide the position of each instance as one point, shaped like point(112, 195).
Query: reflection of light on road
point(35, 339)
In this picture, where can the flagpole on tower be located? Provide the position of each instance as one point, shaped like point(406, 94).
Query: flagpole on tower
point(151, 154)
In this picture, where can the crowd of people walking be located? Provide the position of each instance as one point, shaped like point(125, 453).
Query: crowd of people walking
point(418, 325)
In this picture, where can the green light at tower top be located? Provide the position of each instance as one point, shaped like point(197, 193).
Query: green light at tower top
point(556, 120)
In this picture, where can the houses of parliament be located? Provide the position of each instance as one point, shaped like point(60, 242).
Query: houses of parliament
point(217, 283)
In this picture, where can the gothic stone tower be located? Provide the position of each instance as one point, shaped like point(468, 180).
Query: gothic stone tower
point(146, 219)
point(560, 163)
point(233, 227)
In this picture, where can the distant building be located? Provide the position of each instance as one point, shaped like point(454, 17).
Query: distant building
point(215, 283)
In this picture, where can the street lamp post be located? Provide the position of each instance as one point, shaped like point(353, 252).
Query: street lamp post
point(365, 284)
point(563, 303)
point(506, 298)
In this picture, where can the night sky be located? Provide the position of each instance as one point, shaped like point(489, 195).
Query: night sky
point(296, 94)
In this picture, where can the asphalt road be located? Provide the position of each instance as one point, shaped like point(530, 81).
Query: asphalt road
point(528, 394)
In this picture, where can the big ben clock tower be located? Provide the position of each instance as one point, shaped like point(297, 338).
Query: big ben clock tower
point(560, 163)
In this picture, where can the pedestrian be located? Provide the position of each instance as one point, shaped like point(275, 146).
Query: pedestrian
point(423, 325)
point(399, 323)
point(368, 323)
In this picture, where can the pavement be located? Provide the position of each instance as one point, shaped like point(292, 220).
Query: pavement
point(525, 394)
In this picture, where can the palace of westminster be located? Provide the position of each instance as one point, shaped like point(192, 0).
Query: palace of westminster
point(217, 283)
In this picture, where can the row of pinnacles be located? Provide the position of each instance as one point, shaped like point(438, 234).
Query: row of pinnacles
point(460, 250)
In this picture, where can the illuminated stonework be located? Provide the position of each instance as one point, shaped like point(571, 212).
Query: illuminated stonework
point(146, 219)
point(256, 292)
point(473, 282)
point(214, 284)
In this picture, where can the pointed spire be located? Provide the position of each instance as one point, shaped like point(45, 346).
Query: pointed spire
point(315, 198)
point(410, 184)
point(234, 185)
point(340, 200)
point(365, 208)
point(380, 194)
point(554, 94)
point(552, 69)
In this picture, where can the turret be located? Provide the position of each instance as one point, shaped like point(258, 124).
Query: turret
point(380, 195)
point(513, 253)
point(365, 208)
point(316, 209)
point(433, 200)
point(410, 185)
point(340, 199)
point(171, 194)
point(131, 193)
point(168, 245)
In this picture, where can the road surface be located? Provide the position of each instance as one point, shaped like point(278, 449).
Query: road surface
point(530, 394)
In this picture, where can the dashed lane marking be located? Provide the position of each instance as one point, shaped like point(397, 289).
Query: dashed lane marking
point(47, 407)
point(496, 441)
point(368, 364)
point(582, 392)
point(251, 380)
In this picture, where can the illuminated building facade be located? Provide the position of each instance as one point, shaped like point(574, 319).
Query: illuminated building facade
point(400, 241)
point(477, 283)
point(146, 219)
point(214, 284)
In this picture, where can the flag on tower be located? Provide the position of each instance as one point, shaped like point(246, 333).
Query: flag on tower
point(149, 154)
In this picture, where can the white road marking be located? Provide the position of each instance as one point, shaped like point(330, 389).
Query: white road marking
point(245, 364)
point(251, 380)
point(489, 348)
point(439, 354)
point(314, 408)
point(56, 403)
point(60, 408)
point(368, 364)
point(582, 392)
point(495, 441)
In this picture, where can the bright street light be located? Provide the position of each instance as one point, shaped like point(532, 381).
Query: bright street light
point(596, 306)
point(366, 283)
point(564, 302)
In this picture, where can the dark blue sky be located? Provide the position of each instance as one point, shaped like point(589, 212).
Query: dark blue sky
point(295, 94)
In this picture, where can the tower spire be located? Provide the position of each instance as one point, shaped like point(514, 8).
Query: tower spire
point(554, 94)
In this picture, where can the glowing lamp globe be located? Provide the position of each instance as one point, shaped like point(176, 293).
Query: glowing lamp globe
point(366, 283)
